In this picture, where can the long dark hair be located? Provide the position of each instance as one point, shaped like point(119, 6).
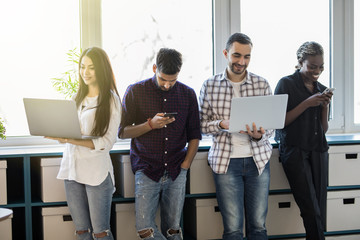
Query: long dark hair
point(106, 82)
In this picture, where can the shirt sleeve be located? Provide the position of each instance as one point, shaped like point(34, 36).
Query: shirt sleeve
point(281, 87)
point(128, 107)
point(208, 124)
point(106, 142)
point(193, 121)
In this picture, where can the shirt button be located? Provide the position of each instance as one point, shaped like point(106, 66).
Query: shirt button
point(165, 164)
point(165, 152)
point(164, 99)
point(315, 133)
point(166, 139)
point(315, 118)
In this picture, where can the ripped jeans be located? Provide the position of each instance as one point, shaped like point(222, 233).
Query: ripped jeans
point(147, 200)
point(90, 208)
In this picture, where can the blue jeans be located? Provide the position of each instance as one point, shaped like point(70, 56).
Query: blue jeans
point(170, 195)
point(90, 207)
point(242, 188)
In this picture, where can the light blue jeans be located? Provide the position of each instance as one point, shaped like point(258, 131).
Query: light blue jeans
point(90, 207)
point(170, 195)
point(242, 188)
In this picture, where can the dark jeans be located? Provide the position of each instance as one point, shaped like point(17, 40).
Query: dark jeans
point(307, 173)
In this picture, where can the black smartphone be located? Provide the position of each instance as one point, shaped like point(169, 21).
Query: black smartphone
point(170, 115)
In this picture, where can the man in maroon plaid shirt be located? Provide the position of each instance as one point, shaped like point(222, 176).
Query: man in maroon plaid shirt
point(159, 157)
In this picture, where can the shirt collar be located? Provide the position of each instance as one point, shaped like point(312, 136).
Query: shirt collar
point(302, 84)
point(225, 76)
point(156, 87)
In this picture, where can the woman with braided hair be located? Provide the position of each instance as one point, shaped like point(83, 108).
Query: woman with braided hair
point(303, 147)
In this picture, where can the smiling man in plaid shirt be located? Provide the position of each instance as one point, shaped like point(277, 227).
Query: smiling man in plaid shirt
point(239, 161)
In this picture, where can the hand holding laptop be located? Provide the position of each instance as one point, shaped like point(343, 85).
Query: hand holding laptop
point(224, 124)
point(60, 140)
point(255, 134)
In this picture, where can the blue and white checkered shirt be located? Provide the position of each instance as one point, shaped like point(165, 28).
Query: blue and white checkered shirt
point(215, 103)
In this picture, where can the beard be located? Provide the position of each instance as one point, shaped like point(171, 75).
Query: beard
point(162, 88)
point(235, 70)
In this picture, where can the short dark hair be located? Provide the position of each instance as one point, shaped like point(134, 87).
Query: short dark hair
point(168, 61)
point(237, 37)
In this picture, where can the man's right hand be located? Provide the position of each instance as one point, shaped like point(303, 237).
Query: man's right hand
point(224, 124)
point(159, 121)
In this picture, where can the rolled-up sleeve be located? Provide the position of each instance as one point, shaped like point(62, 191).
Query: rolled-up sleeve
point(208, 124)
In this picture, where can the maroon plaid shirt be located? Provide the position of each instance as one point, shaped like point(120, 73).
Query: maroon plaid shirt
point(160, 149)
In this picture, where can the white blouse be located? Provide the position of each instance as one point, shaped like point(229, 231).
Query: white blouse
point(91, 166)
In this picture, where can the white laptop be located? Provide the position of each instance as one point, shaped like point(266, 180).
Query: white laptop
point(53, 118)
point(265, 111)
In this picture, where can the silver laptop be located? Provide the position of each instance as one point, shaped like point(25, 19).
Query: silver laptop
point(265, 111)
point(53, 118)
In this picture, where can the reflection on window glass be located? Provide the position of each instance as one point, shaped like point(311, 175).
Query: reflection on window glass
point(356, 62)
point(277, 34)
point(133, 33)
point(35, 37)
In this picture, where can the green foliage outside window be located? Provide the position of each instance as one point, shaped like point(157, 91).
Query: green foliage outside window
point(2, 129)
point(68, 83)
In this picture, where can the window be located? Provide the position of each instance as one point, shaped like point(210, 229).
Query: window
point(356, 62)
point(132, 34)
point(278, 33)
point(35, 37)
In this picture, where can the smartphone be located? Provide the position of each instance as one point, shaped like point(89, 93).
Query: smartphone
point(327, 90)
point(170, 115)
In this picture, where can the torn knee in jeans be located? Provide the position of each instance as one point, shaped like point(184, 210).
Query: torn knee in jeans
point(101, 234)
point(79, 232)
point(171, 232)
point(146, 233)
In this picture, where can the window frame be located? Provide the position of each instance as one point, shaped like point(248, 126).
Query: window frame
point(342, 61)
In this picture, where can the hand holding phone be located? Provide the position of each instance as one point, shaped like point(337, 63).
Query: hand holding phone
point(170, 115)
point(328, 90)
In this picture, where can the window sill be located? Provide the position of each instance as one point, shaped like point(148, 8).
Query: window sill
point(39, 145)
